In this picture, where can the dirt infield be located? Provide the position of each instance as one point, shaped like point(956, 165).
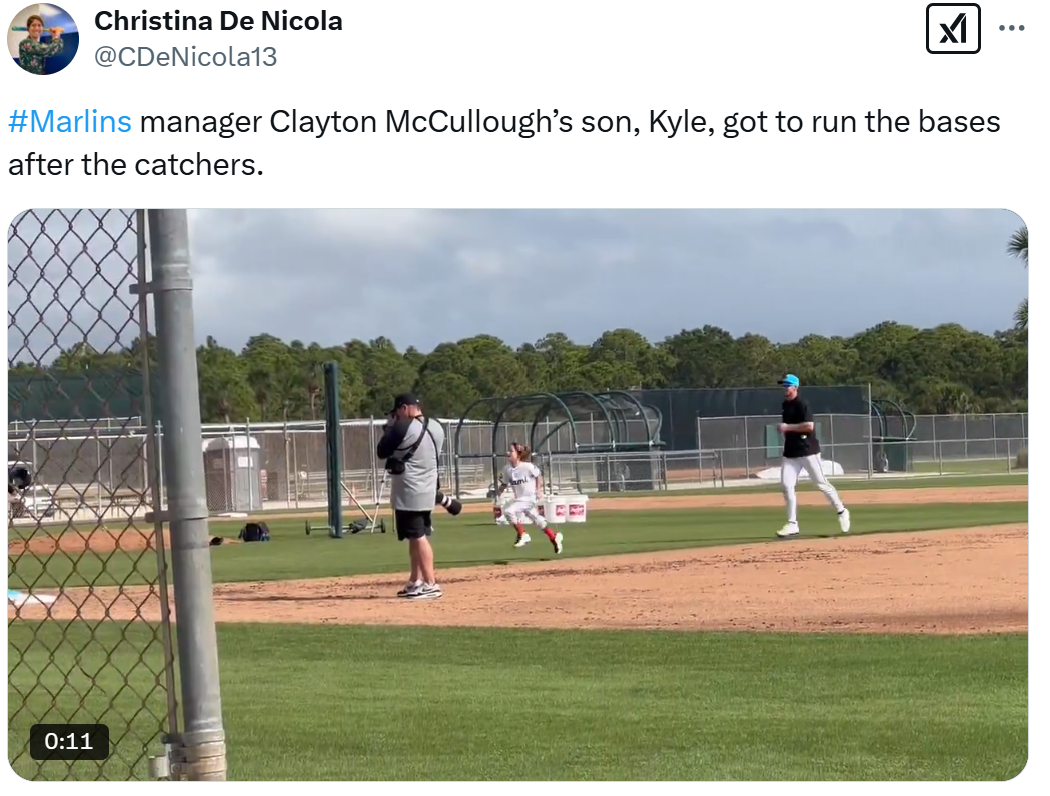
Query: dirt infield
point(951, 581)
point(97, 540)
point(132, 539)
point(965, 581)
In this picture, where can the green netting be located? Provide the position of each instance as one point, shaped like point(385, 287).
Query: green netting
point(54, 395)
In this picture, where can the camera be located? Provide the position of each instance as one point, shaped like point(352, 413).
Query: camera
point(449, 504)
point(394, 466)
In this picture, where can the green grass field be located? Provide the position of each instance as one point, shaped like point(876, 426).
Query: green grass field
point(473, 539)
point(343, 703)
point(920, 480)
point(349, 703)
point(971, 481)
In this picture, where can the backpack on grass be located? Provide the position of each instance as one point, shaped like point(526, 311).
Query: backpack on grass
point(254, 532)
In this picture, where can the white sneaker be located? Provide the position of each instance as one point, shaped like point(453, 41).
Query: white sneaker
point(557, 543)
point(791, 529)
point(844, 520)
point(426, 591)
point(523, 540)
point(410, 588)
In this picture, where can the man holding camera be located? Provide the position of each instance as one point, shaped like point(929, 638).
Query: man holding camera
point(411, 447)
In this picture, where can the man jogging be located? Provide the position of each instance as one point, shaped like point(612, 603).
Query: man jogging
point(802, 452)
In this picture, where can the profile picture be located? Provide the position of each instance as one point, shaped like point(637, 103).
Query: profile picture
point(42, 39)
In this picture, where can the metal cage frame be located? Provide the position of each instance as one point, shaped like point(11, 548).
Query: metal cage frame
point(612, 405)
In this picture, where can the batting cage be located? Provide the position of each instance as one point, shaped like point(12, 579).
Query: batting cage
point(583, 441)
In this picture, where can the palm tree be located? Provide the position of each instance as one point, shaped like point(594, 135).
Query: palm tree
point(1018, 247)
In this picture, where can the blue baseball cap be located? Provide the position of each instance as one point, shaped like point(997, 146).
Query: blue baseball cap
point(789, 380)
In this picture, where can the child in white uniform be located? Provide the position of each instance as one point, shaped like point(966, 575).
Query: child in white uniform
point(524, 477)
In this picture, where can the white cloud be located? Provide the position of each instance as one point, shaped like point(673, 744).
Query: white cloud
point(409, 229)
point(485, 263)
point(421, 277)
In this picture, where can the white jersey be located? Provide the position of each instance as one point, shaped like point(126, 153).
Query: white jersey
point(522, 479)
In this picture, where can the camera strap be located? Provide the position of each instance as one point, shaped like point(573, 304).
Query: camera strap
point(419, 440)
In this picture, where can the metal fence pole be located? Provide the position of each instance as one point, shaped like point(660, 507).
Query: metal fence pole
point(700, 447)
point(251, 464)
point(32, 448)
point(201, 747)
point(333, 449)
point(152, 486)
point(936, 446)
point(295, 468)
point(287, 465)
point(966, 440)
point(98, 473)
point(747, 450)
point(158, 435)
point(112, 480)
point(372, 442)
point(230, 457)
point(871, 440)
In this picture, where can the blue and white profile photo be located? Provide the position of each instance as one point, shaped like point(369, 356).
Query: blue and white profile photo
point(42, 39)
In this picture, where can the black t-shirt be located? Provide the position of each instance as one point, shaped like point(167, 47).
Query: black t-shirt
point(798, 445)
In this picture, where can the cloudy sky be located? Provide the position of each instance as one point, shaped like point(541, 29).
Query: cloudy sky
point(421, 277)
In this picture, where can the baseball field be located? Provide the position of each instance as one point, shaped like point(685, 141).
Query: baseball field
point(675, 638)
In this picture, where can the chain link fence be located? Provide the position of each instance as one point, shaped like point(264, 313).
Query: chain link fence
point(82, 564)
point(859, 445)
point(253, 467)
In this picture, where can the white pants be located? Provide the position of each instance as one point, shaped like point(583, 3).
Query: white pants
point(524, 507)
point(790, 470)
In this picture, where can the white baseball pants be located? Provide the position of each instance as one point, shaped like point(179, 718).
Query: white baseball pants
point(525, 508)
point(791, 469)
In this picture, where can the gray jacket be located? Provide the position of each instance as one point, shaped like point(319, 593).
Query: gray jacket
point(414, 489)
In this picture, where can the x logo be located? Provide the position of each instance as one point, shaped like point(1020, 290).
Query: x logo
point(949, 33)
point(946, 28)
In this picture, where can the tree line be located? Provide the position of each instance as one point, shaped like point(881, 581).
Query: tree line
point(943, 370)
point(946, 369)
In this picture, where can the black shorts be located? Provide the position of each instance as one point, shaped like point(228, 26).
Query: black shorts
point(412, 524)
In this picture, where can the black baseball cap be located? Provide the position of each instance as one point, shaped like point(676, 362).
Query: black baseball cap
point(404, 399)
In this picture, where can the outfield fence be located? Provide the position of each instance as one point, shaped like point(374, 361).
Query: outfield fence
point(82, 286)
point(860, 445)
point(281, 466)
